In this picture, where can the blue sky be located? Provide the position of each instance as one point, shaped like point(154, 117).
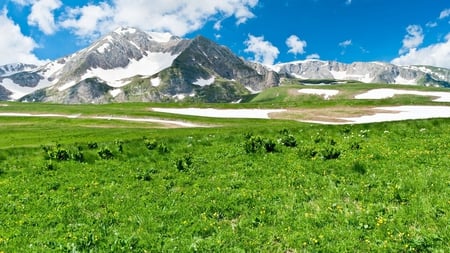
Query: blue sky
point(269, 31)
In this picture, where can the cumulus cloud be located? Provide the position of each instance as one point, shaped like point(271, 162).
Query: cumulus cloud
point(178, 17)
point(42, 15)
point(435, 55)
point(345, 43)
point(313, 57)
point(89, 21)
point(432, 24)
point(445, 13)
point(296, 45)
point(264, 52)
point(17, 48)
point(412, 39)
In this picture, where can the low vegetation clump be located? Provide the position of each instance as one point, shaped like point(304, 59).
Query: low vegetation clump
point(271, 187)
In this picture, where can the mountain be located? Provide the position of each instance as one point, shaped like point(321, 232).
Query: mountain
point(366, 72)
point(132, 65)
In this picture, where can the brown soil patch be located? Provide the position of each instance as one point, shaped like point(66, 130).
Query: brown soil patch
point(329, 114)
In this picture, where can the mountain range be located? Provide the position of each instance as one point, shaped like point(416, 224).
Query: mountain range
point(132, 65)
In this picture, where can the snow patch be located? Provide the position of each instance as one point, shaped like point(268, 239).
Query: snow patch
point(115, 92)
point(388, 93)
point(155, 81)
point(19, 91)
point(401, 80)
point(339, 75)
point(67, 85)
point(342, 75)
point(179, 96)
point(252, 91)
point(101, 49)
point(204, 82)
point(396, 113)
point(221, 113)
point(321, 92)
point(147, 66)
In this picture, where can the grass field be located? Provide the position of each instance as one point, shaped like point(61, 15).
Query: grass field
point(89, 185)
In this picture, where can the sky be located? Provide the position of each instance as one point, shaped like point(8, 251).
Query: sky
point(404, 32)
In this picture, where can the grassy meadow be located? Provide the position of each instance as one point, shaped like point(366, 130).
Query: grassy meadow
point(90, 185)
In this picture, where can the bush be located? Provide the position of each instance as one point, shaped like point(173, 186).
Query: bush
point(92, 145)
point(162, 148)
point(184, 163)
point(105, 153)
point(59, 154)
point(151, 144)
point(269, 145)
point(289, 141)
point(330, 152)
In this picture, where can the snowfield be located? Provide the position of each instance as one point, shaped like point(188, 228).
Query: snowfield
point(221, 113)
point(74, 116)
point(388, 93)
point(326, 94)
point(396, 113)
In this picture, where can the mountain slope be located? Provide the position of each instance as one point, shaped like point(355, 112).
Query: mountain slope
point(367, 72)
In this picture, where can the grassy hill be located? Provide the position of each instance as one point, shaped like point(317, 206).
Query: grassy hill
point(90, 185)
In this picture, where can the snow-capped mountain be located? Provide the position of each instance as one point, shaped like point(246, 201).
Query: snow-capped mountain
point(366, 72)
point(132, 65)
point(7, 70)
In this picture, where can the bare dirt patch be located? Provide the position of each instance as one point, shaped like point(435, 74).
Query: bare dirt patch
point(329, 114)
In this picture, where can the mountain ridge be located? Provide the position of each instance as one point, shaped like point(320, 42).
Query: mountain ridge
point(132, 65)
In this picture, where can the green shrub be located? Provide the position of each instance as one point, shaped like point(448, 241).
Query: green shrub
point(162, 148)
point(269, 145)
point(105, 153)
point(92, 145)
point(184, 163)
point(330, 152)
point(151, 144)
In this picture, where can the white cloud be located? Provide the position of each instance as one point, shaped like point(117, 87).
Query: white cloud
point(445, 13)
point(178, 17)
point(264, 52)
point(42, 15)
point(313, 56)
point(432, 24)
point(413, 39)
point(345, 43)
point(17, 48)
point(434, 55)
point(89, 21)
point(296, 45)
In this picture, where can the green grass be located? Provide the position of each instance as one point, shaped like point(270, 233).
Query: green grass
point(205, 192)
point(85, 185)
point(287, 96)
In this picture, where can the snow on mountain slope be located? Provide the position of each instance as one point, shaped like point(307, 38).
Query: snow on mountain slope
point(10, 69)
point(366, 72)
point(148, 65)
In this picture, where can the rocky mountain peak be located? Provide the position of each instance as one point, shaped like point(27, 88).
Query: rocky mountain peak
point(10, 69)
